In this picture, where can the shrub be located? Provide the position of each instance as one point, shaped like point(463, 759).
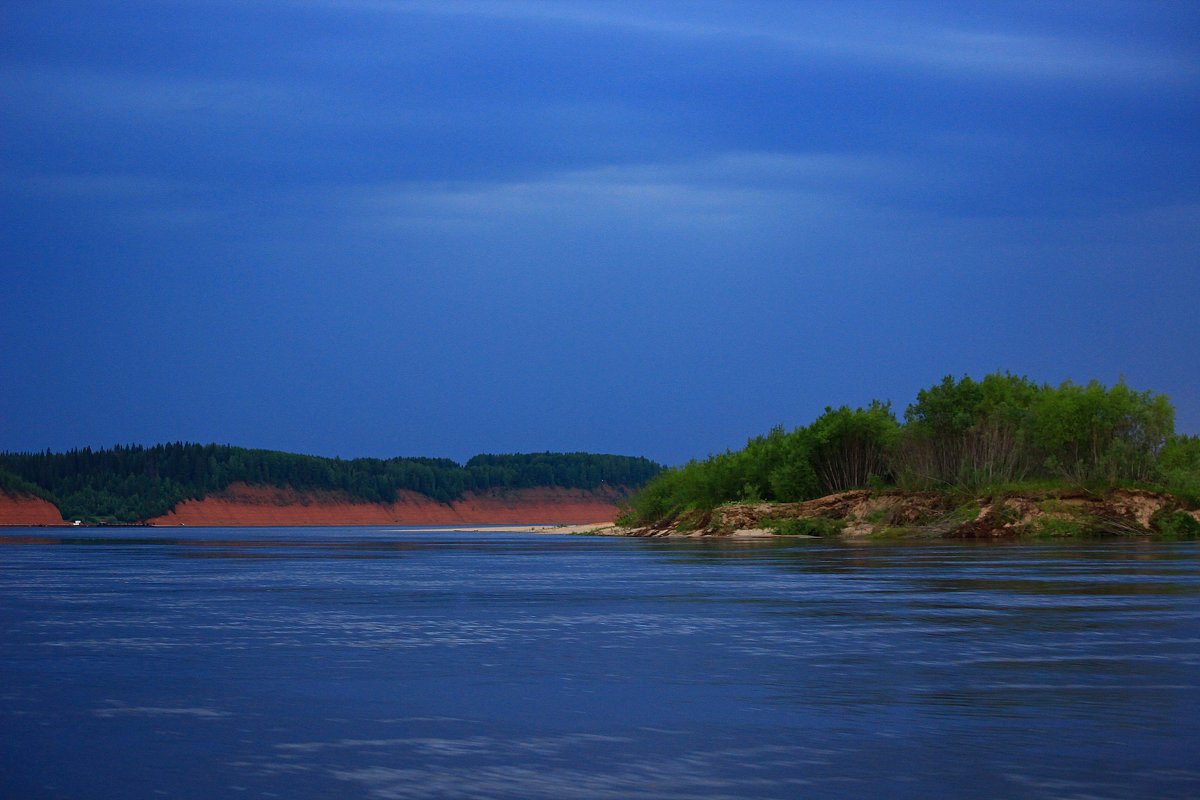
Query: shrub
point(850, 447)
point(1057, 527)
point(1179, 468)
point(1175, 524)
point(968, 433)
point(804, 526)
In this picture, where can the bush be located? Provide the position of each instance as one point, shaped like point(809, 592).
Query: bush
point(1179, 468)
point(1058, 527)
point(1089, 433)
point(804, 526)
point(851, 447)
point(968, 433)
point(1175, 524)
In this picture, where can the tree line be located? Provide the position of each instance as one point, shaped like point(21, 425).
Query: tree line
point(957, 435)
point(134, 483)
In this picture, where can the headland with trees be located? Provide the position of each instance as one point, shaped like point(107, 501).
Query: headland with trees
point(1002, 455)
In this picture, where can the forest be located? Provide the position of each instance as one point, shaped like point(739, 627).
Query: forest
point(126, 484)
point(960, 435)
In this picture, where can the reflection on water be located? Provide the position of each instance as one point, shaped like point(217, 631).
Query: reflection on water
point(397, 664)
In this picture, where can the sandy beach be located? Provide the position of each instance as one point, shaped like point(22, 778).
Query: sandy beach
point(588, 528)
point(609, 529)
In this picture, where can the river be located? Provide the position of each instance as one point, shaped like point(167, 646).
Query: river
point(373, 663)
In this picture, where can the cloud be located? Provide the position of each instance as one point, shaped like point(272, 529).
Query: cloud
point(130, 97)
point(133, 92)
point(1028, 56)
point(839, 33)
point(726, 190)
point(101, 186)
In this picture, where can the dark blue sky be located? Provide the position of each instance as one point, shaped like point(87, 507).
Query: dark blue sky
point(373, 227)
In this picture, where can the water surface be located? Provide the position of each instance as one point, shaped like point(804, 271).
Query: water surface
point(359, 662)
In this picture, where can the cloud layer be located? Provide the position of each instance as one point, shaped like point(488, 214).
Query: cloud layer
point(444, 225)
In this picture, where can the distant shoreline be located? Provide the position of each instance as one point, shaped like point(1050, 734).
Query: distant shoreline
point(859, 514)
point(244, 505)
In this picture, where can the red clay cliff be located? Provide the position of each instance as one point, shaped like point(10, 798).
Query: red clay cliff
point(241, 504)
point(24, 509)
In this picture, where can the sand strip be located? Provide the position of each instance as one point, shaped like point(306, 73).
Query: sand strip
point(591, 527)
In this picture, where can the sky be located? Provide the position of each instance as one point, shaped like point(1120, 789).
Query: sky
point(447, 227)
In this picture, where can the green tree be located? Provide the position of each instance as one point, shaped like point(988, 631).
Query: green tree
point(851, 447)
point(1090, 433)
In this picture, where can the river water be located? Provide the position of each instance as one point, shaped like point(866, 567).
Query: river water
point(358, 662)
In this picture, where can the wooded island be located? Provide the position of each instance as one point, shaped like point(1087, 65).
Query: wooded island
point(970, 457)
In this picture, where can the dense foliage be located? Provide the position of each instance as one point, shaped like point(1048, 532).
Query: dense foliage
point(1179, 464)
point(13, 484)
point(958, 434)
point(128, 484)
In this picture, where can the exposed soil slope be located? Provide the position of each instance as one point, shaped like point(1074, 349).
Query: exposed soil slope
point(241, 504)
point(866, 513)
point(28, 510)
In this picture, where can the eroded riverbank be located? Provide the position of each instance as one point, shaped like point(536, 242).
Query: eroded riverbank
point(865, 513)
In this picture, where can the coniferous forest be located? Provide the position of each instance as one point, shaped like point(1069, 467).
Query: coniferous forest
point(131, 483)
